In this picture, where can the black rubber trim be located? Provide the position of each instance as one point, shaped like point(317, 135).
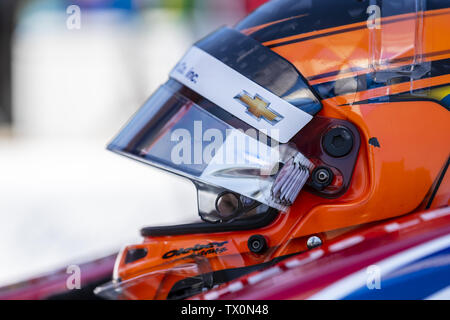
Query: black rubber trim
point(193, 228)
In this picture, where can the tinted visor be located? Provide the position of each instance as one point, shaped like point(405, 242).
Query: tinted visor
point(173, 132)
point(220, 118)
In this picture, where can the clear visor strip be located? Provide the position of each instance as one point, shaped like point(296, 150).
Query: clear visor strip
point(239, 95)
point(251, 168)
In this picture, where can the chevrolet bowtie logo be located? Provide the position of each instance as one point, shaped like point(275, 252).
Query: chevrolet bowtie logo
point(258, 107)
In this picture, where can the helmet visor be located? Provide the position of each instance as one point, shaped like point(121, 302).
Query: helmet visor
point(220, 119)
point(174, 133)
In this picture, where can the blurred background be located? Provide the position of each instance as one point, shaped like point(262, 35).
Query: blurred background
point(71, 74)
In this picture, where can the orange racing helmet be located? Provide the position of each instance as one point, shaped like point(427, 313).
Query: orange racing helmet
point(306, 120)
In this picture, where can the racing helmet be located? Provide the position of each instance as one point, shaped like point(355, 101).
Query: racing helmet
point(304, 121)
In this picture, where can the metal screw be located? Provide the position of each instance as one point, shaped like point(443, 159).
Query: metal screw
point(227, 205)
point(322, 175)
point(257, 243)
point(313, 242)
point(338, 142)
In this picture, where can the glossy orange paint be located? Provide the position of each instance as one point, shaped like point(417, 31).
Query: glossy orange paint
point(347, 48)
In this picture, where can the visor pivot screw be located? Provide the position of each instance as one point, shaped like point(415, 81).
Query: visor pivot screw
point(321, 178)
point(257, 243)
point(228, 205)
point(322, 175)
point(313, 242)
point(338, 142)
